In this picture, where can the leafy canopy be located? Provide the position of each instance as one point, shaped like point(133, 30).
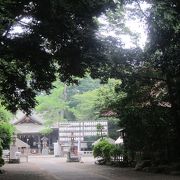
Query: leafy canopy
point(59, 38)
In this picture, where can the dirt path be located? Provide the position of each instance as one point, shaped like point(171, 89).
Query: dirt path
point(50, 168)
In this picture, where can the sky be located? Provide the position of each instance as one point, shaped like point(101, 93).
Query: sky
point(134, 23)
point(18, 29)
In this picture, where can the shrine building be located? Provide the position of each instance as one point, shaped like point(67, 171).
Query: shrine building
point(29, 129)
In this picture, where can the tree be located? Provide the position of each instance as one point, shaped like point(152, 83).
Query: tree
point(164, 53)
point(6, 131)
point(82, 97)
point(150, 78)
point(100, 128)
point(59, 38)
point(161, 62)
point(108, 97)
point(84, 105)
point(78, 104)
point(50, 106)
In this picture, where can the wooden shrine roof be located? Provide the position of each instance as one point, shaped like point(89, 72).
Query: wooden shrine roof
point(21, 118)
point(27, 128)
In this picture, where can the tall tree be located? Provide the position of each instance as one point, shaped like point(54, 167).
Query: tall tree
point(150, 77)
point(77, 104)
point(51, 106)
point(59, 37)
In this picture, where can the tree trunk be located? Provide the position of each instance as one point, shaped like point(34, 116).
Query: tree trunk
point(175, 109)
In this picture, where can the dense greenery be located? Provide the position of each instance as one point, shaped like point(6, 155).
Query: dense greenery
point(50, 106)
point(149, 111)
point(58, 38)
point(108, 152)
point(74, 102)
point(6, 131)
point(61, 38)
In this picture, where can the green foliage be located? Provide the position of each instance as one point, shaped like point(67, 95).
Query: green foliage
point(149, 109)
point(102, 149)
point(1, 149)
point(50, 106)
point(76, 101)
point(81, 98)
point(6, 128)
point(59, 39)
point(116, 151)
point(84, 84)
point(85, 105)
point(100, 128)
point(148, 130)
point(80, 102)
point(6, 131)
point(108, 97)
point(113, 126)
point(4, 114)
point(1, 159)
point(107, 151)
point(46, 131)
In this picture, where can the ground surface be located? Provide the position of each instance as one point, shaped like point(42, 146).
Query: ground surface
point(50, 168)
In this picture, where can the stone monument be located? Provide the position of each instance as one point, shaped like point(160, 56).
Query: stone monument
point(14, 154)
point(45, 148)
point(57, 149)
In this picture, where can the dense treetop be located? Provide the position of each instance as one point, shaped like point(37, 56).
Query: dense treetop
point(59, 38)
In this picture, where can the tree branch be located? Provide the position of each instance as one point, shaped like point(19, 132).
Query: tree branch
point(137, 1)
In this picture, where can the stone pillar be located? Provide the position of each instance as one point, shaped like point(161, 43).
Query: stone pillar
point(13, 151)
point(45, 147)
point(39, 144)
point(57, 149)
point(79, 145)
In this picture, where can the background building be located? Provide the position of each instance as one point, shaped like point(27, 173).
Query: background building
point(81, 130)
point(29, 129)
point(82, 134)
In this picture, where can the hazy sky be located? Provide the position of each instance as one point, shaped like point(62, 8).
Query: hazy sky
point(135, 25)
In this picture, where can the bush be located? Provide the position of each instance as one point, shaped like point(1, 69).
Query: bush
point(5, 138)
point(97, 149)
point(116, 151)
point(6, 131)
point(106, 151)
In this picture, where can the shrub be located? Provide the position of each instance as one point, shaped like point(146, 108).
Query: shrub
point(6, 131)
point(116, 151)
point(106, 150)
point(5, 138)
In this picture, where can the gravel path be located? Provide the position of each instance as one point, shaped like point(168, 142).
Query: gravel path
point(50, 168)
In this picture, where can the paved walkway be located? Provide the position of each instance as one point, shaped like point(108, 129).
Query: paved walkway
point(50, 168)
